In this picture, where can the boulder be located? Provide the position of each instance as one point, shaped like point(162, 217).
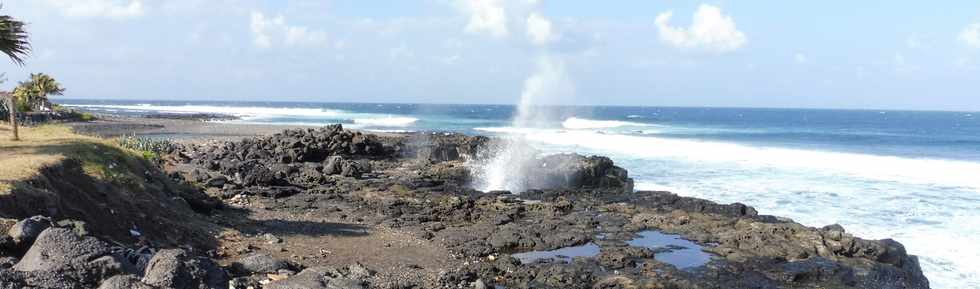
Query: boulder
point(78, 227)
point(337, 165)
point(175, 268)
point(573, 171)
point(217, 182)
point(259, 263)
point(59, 251)
point(319, 278)
point(25, 231)
point(124, 282)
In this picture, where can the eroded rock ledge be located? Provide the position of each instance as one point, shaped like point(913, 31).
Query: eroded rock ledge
point(412, 191)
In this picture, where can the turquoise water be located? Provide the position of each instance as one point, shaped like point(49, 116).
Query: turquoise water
point(910, 176)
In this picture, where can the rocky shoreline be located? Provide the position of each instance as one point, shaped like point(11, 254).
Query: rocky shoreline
point(334, 208)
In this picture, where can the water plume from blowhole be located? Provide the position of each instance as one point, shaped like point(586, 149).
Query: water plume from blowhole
point(507, 166)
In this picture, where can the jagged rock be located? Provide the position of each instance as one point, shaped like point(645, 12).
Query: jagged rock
point(622, 257)
point(7, 262)
point(25, 231)
point(198, 175)
point(318, 278)
point(7, 245)
point(217, 182)
point(174, 268)
point(259, 263)
point(60, 249)
point(78, 227)
point(84, 259)
point(573, 171)
point(337, 165)
point(124, 282)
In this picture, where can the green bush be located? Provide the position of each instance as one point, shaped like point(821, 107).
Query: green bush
point(150, 149)
point(86, 117)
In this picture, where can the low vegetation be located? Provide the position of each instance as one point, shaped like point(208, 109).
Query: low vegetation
point(48, 144)
point(150, 149)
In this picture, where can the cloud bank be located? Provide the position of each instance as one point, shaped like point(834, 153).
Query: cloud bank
point(710, 31)
point(971, 35)
point(267, 32)
point(113, 9)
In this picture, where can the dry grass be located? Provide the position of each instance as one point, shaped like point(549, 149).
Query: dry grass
point(45, 145)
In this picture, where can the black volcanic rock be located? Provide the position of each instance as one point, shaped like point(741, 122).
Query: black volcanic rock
point(573, 171)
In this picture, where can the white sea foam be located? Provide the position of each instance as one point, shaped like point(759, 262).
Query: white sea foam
point(919, 202)
point(386, 121)
point(512, 130)
point(390, 130)
point(907, 170)
point(583, 123)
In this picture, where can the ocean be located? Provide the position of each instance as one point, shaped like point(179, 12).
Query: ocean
point(913, 176)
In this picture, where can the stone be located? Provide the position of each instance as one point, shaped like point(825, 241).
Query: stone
point(573, 171)
point(259, 263)
point(25, 231)
point(175, 268)
point(271, 239)
point(124, 282)
point(60, 249)
point(217, 182)
point(317, 278)
point(78, 227)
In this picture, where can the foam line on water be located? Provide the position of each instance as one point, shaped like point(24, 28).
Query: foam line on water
point(266, 115)
point(907, 170)
point(387, 121)
point(584, 123)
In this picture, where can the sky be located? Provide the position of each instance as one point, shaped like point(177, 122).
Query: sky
point(810, 54)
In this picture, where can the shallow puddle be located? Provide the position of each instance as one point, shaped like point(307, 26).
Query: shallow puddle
point(672, 249)
point(564, 254)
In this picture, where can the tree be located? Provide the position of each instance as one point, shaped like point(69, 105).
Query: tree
point(32, 95)
point(14, 43)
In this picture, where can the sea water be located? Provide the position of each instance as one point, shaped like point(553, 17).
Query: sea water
point(913, 176)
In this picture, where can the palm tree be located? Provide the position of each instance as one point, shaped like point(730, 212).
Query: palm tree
point(13, 43)
point(33, 94)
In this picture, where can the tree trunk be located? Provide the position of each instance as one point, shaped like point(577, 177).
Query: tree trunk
point(13, 116)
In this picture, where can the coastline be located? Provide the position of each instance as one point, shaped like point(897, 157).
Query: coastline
point(302, 198)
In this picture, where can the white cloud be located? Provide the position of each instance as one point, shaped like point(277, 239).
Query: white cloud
point(399, 52)
point(539, 30)
point(114, 9)
point(913, 42)
point(899, 60)
point(801, 58)
point(710, 31)
point(971, 35)
point(266, 30)
point(487, 16)
point(299, 35)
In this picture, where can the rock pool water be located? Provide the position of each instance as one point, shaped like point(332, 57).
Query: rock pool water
point(670, 249)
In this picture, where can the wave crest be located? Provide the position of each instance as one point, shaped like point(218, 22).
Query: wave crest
point(584, 123)
point(386, 121)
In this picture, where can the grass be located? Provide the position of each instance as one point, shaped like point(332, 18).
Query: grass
point(49, 144)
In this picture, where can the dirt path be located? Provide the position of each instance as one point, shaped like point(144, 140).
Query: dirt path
point(330, 237)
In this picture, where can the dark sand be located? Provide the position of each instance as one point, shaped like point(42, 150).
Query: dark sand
point(175, 129)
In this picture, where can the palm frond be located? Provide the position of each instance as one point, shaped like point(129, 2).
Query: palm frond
point(14, 39)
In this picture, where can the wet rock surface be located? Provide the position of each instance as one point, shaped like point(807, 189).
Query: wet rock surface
point(350, 210)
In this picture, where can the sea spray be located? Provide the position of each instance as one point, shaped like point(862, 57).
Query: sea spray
point(508, 166)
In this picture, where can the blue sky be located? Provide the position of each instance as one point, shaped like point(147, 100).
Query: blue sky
point(824, 54)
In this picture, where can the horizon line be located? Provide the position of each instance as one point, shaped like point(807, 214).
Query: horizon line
point(514, 105)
